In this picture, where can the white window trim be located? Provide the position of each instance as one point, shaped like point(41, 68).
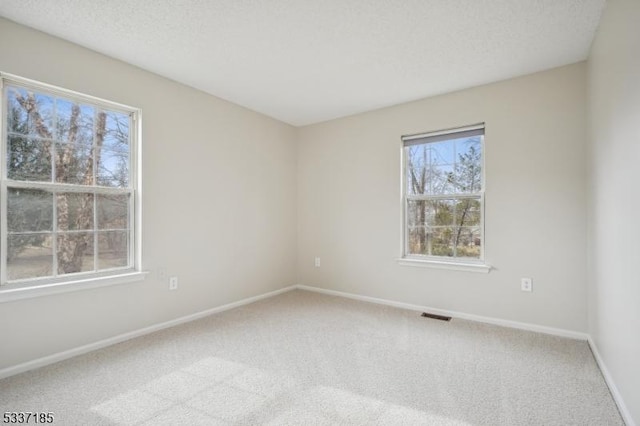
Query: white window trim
point(428, 262)
point(27, 288)
point(11, 292)
point(441, 262)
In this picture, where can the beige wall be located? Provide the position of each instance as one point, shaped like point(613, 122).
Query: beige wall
point(218, 202)
point(614, 237)
point(349, 201)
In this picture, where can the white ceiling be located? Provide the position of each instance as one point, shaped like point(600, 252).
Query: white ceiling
point(306, 61)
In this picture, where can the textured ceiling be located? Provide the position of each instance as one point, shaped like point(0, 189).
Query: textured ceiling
point(306, 61)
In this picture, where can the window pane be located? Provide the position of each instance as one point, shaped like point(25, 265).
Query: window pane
point(430, 227)
point(116, 136)
point(75, 122)
point(113, 161)
point(75, 252)
point(29, 159)
point(467, 212)
point(417, 155)
point(29, 113)
point(430, 168)
point(113, 169)
point(447, 167)
point(442, 153)
point(466, 146)
point(418, 211)
point(436, 227)
point(29, 256)
point(468, 242)
point(442, 180)
point(113, 211)
point(417, 180)
point(468, 170)
point(113, 249)
point(432, 154)
point(440, 212)
point(442, 244)
point(431, 241)
point(417, 240)
point(74, 164)
point(75, 211)
point(430, 179)
point(29, 210)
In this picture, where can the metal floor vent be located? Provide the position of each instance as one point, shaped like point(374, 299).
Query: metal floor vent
point(434, 316)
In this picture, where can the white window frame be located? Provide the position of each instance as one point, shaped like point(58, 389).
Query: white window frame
point(442, 262)
point(31, 287)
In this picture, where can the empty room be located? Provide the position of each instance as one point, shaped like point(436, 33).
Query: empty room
point(356, 212)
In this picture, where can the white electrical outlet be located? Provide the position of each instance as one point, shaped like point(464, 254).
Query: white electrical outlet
point(317, 262)
point(526, 284)
point(173, 283)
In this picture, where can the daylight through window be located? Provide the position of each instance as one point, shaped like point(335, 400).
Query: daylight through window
point(444, 194)
point(68, 184)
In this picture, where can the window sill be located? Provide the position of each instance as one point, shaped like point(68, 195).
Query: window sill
point(439, 264)
point(11, 293)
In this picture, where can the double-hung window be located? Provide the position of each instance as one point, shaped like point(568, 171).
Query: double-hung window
point(443, 195)
point(69, 186)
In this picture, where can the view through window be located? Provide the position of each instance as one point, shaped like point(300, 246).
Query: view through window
point(68, 184)
point(443, 194)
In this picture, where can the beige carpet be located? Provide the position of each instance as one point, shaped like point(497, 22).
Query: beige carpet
point(302, 358)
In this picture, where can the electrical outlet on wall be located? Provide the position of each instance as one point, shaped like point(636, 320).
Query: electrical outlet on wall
point(317, 262)
point(526, 284)
point(173, 283)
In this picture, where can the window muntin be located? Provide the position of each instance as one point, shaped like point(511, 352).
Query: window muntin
point(443, 199)
point(68, 185)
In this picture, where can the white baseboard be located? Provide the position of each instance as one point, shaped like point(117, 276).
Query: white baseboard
point(60, 356)
point(617, 397)
point(471, 317)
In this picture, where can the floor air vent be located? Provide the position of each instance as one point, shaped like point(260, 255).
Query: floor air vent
point(434, 316)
